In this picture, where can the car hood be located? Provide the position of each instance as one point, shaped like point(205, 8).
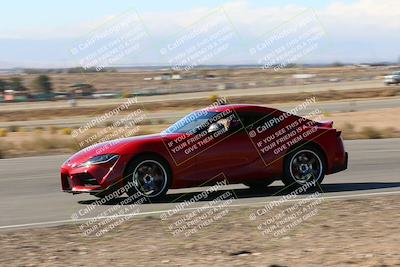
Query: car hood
point(113, 146)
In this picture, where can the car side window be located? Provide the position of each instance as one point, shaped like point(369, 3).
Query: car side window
point(250, 119)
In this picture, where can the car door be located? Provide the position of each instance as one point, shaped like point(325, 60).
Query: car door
point(232, 156)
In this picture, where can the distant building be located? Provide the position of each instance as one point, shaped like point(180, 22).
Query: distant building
point(304, 76)
point(166, 77)
point(12, 95)
point(176, 77)
point(82, 89)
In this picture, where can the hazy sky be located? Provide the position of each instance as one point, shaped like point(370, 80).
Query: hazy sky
point(41, 33)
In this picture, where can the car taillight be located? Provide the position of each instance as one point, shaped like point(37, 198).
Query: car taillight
point(326, 124)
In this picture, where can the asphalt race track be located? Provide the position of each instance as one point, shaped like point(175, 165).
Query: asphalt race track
point(30, 194)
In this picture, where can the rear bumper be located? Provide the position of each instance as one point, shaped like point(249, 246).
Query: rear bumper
point(343, 166)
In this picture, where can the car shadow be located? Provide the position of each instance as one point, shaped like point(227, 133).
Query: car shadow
point(249, 193)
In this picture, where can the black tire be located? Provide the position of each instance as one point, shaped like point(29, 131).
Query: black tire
point(258, 185)
point(302, 165)
point(157, 168)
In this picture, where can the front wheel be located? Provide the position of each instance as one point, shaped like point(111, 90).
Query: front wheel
point(150, 176)
point(304, 165)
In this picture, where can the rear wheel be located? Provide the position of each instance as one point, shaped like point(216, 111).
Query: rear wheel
point(151, 177)
point(304, 165)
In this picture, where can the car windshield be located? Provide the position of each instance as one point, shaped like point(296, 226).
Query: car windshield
point(191, 123)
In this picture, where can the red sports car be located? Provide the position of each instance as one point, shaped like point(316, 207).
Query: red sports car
point(246, 144)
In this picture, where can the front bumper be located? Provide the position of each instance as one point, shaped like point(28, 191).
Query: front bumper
point(92, 179)
point(77, 184)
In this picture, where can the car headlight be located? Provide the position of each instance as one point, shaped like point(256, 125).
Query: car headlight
point(100, 159)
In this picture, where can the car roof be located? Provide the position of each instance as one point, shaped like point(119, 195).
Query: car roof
point(240, 107)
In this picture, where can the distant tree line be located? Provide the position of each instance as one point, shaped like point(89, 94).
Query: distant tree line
point(88, 70)
point(14, 83)
point(68, 70)
point(40, 85)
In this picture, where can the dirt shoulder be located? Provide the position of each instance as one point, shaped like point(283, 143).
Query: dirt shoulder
point(354, 232)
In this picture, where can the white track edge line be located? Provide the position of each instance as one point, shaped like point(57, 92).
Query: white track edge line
point(161, 211)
